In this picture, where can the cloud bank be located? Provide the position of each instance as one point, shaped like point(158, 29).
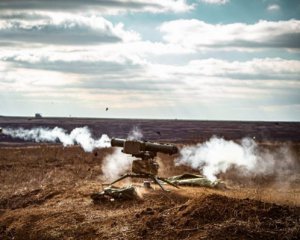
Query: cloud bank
point(104, 7)
point(65, 29)
point(147, 58)
point(263, 34)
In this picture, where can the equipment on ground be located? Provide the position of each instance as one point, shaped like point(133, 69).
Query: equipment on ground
point(196, 180)
point(110, 194)
point(145, 166)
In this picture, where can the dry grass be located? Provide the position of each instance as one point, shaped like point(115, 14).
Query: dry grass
point(50, 187)
point(28, 168)
point(34, 167)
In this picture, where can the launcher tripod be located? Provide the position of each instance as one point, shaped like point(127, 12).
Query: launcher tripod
point(145, 166)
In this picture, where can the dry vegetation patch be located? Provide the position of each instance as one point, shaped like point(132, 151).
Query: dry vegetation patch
point(45, 194)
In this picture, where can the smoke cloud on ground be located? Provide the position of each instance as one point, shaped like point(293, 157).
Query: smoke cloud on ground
point(218, 156)
point(81, 136)
point(114, 164)
point(117, 163)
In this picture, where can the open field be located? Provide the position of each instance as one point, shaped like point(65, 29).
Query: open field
point(45, 188)
point(180, 131)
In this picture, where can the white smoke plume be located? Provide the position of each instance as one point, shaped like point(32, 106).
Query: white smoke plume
point(81, 136)
point(218, 156)
point(135, 134)
point(117, 163)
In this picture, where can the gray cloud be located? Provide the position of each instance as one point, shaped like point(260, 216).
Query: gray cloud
point(58, 50)
point(22, 15)
point(79, 67)
point(122, 67)
point(286, 40)
point(55, 36)
point(66, 4)
point(104, 6)
point(71, 4)
point(194, 33)
point(262, 76)
point(102, 75)
point(67, 32)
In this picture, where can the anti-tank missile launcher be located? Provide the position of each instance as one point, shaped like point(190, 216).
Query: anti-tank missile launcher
point(145, 166)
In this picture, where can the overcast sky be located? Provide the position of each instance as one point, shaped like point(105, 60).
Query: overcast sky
point(174, 59)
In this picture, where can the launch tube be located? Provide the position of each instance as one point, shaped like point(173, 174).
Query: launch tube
point(117, 142)
point(147, 146)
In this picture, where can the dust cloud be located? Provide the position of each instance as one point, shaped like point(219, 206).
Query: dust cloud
point(219, 156)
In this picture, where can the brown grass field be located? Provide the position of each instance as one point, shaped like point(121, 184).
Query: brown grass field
point(45, 194)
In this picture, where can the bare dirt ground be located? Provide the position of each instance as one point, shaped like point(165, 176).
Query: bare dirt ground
point(45, 194)
point(45, 189)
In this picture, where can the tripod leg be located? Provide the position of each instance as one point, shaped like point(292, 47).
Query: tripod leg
point(132, 175)
point(168, 182)
point(159, 184)
point(121, 178)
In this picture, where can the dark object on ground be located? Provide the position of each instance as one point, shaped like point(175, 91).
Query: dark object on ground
point(38, 115)
point(106, 109)
point(147, 184)
point(114, 193)
point(195, 180)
